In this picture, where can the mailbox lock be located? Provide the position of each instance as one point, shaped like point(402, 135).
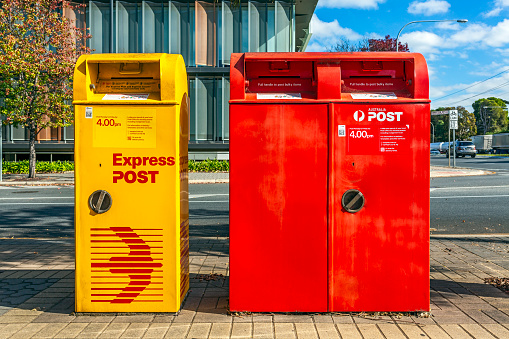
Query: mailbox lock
point(353, 201)
point(100, 201)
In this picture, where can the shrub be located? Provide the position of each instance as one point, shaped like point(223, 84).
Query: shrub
point(209, 166)
point(17, 167)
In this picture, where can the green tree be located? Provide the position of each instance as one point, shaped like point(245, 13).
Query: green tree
point(466, 124)
point(38, 50)
point(491, 115)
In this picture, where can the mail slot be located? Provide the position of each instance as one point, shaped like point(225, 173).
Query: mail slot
point(131, 199)
point(329, 182)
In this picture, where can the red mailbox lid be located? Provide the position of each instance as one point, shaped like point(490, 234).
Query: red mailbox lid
point(352, 77)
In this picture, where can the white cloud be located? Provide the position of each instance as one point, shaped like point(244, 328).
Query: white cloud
point(423, 42)
point(429, 7)
point(498, 35)
point(494, 12)
point(451, 26)
point(473, 33)
point(327, 34)
point(357, 4)
point(499, 6)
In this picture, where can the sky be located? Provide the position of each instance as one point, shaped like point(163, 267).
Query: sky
point(470, 58)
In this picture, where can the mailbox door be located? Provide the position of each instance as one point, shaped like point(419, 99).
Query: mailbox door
point(379, 256)
point(127, 257)
point(278, 207)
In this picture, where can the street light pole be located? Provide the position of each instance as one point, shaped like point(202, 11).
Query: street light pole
point(418, 21)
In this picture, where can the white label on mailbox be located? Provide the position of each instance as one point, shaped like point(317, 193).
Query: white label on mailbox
point(125, 97)
point(272, 96)
point(89, 112)
point(386, 95)
point(341, 130)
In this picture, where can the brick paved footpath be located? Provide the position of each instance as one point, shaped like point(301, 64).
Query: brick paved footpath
point(37, 298)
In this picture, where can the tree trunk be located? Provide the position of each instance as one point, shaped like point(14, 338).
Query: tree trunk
point(31, 162)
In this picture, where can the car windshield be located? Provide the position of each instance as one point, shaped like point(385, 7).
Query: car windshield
point(465, 143)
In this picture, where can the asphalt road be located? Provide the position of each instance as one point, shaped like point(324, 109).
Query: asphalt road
point(471, 205)
point(48, 211)
point(459, 205)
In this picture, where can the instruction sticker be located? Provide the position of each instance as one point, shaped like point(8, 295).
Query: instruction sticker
point(341, 130)
point(377, 140)
point(118, 128)
point(89, 112)
point(125, 97)
point(272, 96)
point(373, 96)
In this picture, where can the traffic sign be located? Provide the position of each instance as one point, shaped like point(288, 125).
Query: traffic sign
point(453, 115)
point(439, 112)
point(453, 124)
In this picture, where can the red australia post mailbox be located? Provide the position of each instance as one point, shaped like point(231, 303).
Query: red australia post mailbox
point(329, 182)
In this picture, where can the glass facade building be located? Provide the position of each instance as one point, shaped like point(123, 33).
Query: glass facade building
point(205, 33)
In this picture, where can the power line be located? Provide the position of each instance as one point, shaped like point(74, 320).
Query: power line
point(477, 83)
point(491, 89)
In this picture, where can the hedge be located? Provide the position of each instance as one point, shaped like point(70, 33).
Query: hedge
point(64, 166)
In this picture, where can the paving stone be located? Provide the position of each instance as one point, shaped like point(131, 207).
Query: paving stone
point(391, 331)
point(133, 319)
point(71, 330)
point(211, 317)
point(343, 318)
point(220, 330)
point(93, 319)
point(498, 330)
point(435, 332)
point(93, 330)
point(242, 330)
point(327, 331)
point(184, 316)
point(156, 330)
point(263, 330)
point(8, 330)
point(135, 330)
point(348, 331)
point(177, 331)
point(455, 331)
point(293, 318)
point(263, 318)
point(306, 330)
point(28, 331)
point(163, 319)
point(114, 330)
point(322, 318)
point(51, 330)
point(370, 331)
point(285, 330)
point(476, 331)
point(11, 319)
point(199, 330)
point(50, 317)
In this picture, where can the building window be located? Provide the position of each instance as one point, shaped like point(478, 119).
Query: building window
point(99, 22)
point(209, 115)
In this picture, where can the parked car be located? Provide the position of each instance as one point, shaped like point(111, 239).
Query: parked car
point(434, 152)
point(463, 148)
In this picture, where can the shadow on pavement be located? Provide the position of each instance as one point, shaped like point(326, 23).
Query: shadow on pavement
point(47, 221)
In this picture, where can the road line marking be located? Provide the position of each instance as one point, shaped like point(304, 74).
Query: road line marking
point(471, 196)
point(34, 198)
point(194, 196)
point(37, 203)
point(470, 187)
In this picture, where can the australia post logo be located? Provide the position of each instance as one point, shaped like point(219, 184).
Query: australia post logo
point(378, 114)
